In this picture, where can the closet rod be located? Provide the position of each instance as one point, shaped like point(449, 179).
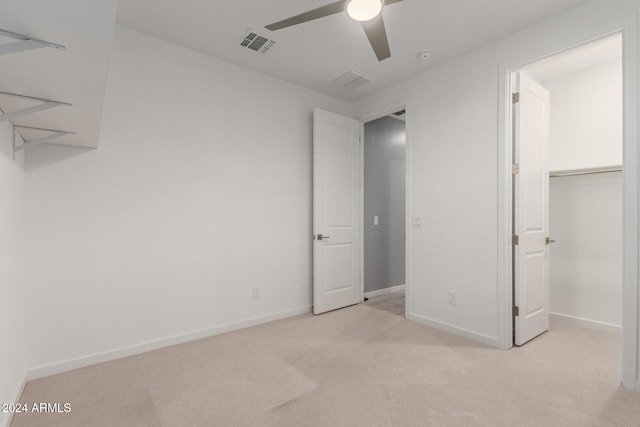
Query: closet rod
point(592, 171)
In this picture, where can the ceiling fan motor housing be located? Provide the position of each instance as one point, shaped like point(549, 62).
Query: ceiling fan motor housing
point(364, 10)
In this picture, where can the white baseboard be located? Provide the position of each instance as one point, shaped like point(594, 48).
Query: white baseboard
point(16, 398)
point(375, 293)
point(466, 333)
point(591, 323)
point(81, 362)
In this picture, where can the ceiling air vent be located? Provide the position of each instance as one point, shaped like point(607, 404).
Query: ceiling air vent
point(351, 80)
point(256, 42)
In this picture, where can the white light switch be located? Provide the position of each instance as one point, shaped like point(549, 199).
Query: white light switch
point(416, 222)
point(375, 220)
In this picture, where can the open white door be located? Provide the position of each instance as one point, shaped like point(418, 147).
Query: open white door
point(531, 209)
point(337, 251)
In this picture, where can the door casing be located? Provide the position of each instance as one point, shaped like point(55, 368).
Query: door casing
point(374, 114)
point(627, 27)
point(367, 117)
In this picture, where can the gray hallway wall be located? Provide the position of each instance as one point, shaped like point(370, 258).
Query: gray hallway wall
point(384, 196)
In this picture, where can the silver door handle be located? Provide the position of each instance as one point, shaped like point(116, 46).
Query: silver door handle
point(549, 240)
point(320, 237)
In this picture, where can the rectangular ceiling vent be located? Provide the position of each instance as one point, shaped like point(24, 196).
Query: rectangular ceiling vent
point(256, 42)
point(352, 79)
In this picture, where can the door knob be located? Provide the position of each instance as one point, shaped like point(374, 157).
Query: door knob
point(549, 240)
point(321, 237)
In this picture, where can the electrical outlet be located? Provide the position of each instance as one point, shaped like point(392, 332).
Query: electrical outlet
point(256, 292)
point(452, 297)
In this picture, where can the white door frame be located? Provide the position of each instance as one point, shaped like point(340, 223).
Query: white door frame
point(630, 286)
point(374, 114)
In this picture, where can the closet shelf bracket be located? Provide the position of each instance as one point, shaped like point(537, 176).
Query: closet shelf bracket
point(45, 104)
point(24, 43)
point(53, 134)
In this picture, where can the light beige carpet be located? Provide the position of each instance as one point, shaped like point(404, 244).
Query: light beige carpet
point(359, 366)
point(392, 302)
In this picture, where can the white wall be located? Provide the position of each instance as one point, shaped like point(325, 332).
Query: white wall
point(12, 286)
point(586, 118)
point(586, 210)
point(200, 190)
point(453, 142)
point(586, 260)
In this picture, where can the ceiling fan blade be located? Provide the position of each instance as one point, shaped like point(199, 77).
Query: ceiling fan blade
point(388, 2)
point(321, 12)
point(377, 35)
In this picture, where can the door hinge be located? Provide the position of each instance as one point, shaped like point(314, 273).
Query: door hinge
point(515, 311)
point(515, 169)
point(515, 97)
point(515, 240)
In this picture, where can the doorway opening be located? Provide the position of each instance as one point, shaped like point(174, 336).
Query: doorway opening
point(384, 212)
point(567, 202)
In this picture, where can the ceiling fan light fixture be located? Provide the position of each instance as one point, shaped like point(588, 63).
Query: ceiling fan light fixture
point(364, 10)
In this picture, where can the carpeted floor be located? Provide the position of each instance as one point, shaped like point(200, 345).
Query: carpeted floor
point(360, 366)
point(392, 302)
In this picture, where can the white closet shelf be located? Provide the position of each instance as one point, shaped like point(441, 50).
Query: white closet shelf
point(24, 43)
point(29, 43)
point(44, 104)
point(52, 134)
point(55, 54)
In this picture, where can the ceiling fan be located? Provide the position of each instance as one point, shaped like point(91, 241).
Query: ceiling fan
point(367, 12)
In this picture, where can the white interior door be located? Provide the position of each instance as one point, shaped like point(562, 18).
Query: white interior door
point(337, 206)
point(531, 209)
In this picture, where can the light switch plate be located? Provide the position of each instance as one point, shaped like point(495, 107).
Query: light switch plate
point(375, 220)
point(416, 222)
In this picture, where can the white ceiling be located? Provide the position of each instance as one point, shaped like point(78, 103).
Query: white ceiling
point(76, 75)
point(315, 53)
point(584, 57)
